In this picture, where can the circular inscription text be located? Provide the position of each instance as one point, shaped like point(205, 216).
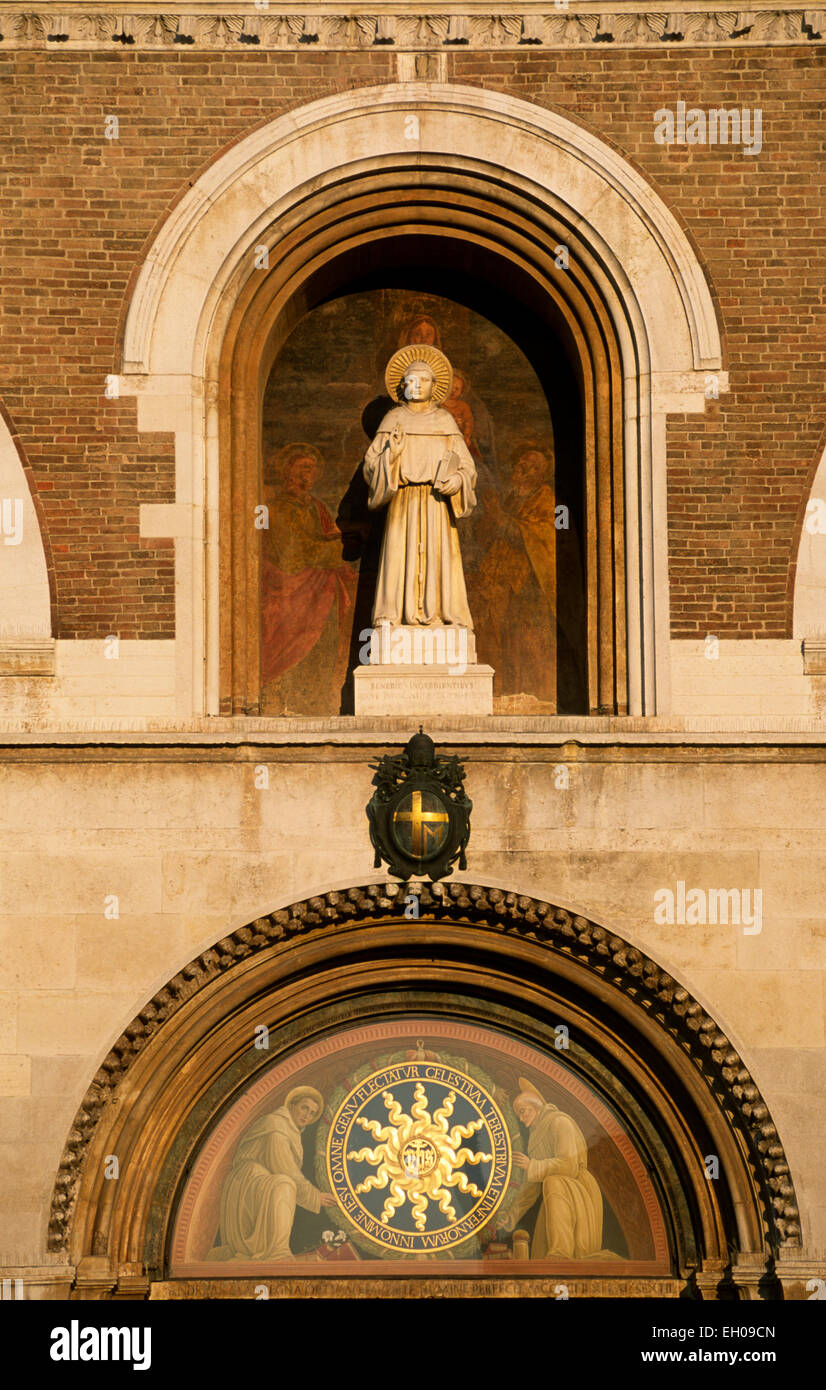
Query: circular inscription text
point(419, 1157)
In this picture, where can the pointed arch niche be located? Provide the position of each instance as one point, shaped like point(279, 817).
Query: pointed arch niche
point(645, 1071)
point(302, 207)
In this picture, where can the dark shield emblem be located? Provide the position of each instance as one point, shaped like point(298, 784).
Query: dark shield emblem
point(419, 814)
point(420, 824)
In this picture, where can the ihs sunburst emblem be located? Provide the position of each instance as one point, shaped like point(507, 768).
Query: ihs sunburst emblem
point(419, 1158)
point(440, 1164)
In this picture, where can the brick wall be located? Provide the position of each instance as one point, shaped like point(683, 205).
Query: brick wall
point(79, 212)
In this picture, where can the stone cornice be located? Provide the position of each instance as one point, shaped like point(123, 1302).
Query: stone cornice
point(27, 656)
point(209, 26)
point(720, 735)
point(610, 958)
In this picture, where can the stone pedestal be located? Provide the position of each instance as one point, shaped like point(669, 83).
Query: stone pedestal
point(415, 671)
point(423, 690)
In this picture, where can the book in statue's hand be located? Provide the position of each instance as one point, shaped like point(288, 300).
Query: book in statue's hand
point(447, 467)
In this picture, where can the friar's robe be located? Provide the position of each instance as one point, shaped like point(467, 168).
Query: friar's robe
point(262, 1191)
point(569, 1224)
point(536, 517)
point(420, 579)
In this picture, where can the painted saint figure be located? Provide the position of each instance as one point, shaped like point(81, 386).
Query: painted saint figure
point(308, 589)
point(266, 1183)
point(462, 413)
point(569, 1223)
point(517, 578)
point(420, 468)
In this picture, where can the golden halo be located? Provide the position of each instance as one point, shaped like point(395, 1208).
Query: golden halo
point(305, 1093)
point(527, 1088)
point(420, 352)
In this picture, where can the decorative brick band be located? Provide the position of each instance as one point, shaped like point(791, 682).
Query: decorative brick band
point(560, 932)
point(270, 27)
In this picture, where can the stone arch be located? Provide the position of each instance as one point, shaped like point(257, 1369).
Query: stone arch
point(809, 575)
point(26, 646)
point(352, 947)
point(504, 172)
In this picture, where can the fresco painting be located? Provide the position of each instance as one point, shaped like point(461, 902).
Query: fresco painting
point(320, 551)
point(419, 1139)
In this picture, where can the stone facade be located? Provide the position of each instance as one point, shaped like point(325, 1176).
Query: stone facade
point(139, 826)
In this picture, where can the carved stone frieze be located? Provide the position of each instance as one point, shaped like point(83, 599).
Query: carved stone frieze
point(557, 1288)
point(271, 27)
point(595, 948)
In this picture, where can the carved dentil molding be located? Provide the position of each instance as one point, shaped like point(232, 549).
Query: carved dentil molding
point(608, 956)
point(560, 26)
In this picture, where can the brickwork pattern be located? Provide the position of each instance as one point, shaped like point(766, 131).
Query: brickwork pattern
point(79, 212)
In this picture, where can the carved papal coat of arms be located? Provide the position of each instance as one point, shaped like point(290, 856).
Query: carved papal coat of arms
point(419, 814)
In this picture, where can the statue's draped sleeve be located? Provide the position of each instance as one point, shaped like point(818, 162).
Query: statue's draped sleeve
point(381, 474)
point(463, 501)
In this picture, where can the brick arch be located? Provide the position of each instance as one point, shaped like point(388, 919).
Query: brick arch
point(645, 315)
point(343, 948)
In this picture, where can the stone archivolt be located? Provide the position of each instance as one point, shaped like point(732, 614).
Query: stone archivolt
point(617, 964)
point(267, 29)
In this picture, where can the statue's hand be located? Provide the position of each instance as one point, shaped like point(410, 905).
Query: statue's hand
point(396, 439)
point(448, 487)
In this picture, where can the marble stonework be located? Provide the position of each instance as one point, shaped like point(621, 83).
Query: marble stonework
point(187, 837)
point(147, 812)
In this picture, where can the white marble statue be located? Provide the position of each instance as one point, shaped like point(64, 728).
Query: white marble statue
point(419, 467)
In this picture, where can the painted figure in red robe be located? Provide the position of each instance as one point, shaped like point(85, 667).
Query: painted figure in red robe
point(308, 590)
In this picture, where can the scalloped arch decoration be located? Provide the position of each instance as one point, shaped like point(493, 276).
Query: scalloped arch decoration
point(81, 1221)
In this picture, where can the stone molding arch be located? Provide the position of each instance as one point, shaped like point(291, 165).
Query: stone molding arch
point(194, 259)
point(448, 203)
point(650, 284)
point(190, 1031)
point(26, 575)
point(809, 574)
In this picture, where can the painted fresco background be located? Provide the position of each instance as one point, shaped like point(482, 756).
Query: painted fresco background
point(632, 1221)
point(320, 555)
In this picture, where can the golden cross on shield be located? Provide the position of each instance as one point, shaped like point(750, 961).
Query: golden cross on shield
point(419, 822)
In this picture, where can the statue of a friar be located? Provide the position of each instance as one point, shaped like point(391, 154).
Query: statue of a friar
point(419, 467)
